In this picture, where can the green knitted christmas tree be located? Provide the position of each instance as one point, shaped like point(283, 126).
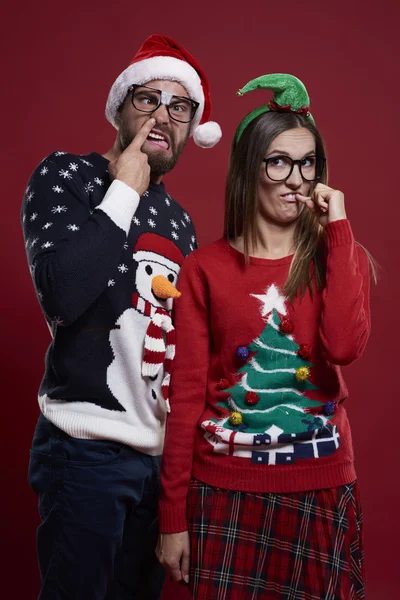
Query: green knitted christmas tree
point(272, 385)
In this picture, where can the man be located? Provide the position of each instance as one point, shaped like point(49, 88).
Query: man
point(105, 243)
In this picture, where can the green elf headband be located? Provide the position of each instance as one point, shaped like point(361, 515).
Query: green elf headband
point(290, 95)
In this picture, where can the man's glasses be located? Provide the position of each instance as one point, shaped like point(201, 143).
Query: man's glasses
point(280, 168)
point(147, 100)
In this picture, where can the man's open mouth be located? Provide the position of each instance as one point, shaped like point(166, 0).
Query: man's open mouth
point(158, 139)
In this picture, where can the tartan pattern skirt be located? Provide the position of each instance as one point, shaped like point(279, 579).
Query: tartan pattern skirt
point(299, 546)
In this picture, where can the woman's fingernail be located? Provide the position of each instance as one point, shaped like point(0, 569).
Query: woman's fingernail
point(186, 578)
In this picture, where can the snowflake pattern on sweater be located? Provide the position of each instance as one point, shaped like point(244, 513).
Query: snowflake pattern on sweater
point(88, 273)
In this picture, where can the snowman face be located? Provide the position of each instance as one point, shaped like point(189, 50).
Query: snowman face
point(146, 271)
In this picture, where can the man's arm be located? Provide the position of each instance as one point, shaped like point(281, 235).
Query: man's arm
point(72, 252)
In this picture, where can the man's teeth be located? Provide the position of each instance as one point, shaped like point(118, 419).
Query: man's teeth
point(290, 196)
point(155, 136)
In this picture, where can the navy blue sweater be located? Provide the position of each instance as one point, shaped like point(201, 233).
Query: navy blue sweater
point(93, 249)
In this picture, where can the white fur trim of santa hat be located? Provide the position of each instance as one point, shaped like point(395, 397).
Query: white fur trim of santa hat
point(165, 67)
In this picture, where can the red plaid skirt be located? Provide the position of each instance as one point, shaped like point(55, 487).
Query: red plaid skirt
point(302, 546)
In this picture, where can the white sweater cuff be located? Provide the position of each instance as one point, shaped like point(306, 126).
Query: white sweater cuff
point(120, 204)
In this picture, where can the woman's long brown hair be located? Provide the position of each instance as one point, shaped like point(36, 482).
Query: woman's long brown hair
point(241, 201)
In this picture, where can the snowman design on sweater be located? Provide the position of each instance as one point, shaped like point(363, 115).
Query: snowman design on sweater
point(80, 249)
point(158, 263)
point(268, 417)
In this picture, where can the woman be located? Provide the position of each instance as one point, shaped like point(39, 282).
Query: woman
point(259, 490)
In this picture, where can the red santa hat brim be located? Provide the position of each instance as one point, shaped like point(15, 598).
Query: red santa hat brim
point(152, 247)
point(153, 257)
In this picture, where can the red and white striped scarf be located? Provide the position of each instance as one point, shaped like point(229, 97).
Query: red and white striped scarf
point(157, 352)
point(143, 306)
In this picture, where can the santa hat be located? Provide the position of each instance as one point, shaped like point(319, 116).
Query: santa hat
point(150, 245)
point(160, 57)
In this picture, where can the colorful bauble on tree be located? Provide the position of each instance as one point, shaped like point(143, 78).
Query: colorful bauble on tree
point(329, 408)
point(286, 325)
point(252, 398)
point(236, 418)
point(302, 373)
point(242, 352)
point(304, 351)
point(223, 384)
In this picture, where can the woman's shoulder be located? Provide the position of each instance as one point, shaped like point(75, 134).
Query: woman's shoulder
point(209, 260)
point(215, 251)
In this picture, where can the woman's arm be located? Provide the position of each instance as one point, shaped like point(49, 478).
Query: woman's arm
point(188, 398)
point(188, 395)
point(345, 319)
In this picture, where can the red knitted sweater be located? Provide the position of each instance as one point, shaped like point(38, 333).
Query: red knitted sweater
point(257, 392)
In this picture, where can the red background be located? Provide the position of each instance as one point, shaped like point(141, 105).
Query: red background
point(60, 61)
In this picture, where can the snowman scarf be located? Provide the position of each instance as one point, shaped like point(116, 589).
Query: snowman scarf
point(158, 352)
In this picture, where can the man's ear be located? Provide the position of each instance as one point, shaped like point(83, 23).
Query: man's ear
point(118, 114)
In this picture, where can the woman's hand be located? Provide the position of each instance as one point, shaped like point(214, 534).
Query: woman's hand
point(173, 552)
point(326, 203)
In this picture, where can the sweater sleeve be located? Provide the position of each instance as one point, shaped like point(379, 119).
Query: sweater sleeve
point(345, 319)
point(188, 395)
point(72, 250)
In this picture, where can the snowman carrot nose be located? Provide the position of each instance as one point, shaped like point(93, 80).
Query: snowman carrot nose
point(164, 288)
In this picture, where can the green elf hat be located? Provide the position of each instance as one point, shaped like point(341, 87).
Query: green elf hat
point(290, 95)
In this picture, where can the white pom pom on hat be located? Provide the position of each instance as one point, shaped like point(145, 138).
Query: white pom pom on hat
point(207, 135)
point(160, 57)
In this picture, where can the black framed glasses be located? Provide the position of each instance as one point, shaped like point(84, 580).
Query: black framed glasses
point(280, 168)
point(148, 100)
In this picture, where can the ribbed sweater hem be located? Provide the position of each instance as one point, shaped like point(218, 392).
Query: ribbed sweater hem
point(339, 233)
point(173, 519)
point(86, 426)
point(274, 479)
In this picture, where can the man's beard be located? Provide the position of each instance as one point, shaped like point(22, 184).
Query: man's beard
point(159, 163)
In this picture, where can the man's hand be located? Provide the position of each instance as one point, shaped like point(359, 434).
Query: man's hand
point(173, 552)
point(131, 166)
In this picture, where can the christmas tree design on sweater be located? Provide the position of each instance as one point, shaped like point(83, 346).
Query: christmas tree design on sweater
point(269, 411)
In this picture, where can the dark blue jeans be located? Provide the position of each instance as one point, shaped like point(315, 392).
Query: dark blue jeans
point(98, 505)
